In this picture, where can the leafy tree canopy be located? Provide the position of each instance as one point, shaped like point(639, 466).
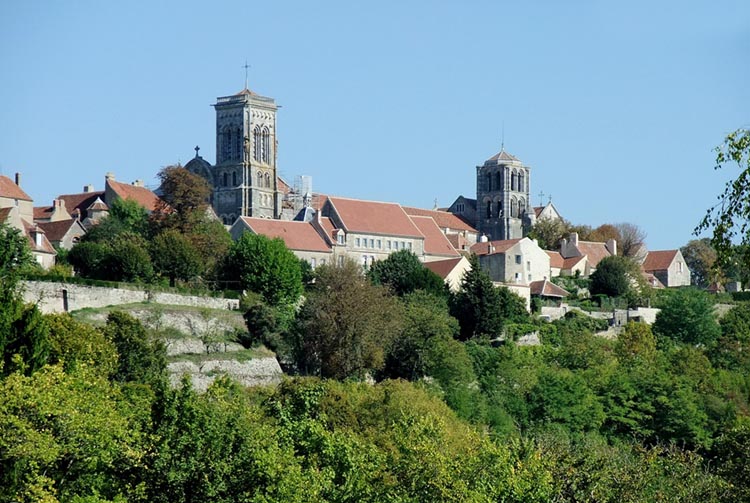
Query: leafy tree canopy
point(614, 277)
point(403, 273)
point(184, 199)
point(265, 266)
point(687, 316)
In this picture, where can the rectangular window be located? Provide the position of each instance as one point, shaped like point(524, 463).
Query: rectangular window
point(388, 244)
point(395, 245)
point(528, 265)
point(372, 243)
point(341, 238)
point(518, 259)
point(312, 263)
point(403, 244)
point(356, 242)
point(408, 245)
point(341, 261)
point(380, 245)
point(529, 278)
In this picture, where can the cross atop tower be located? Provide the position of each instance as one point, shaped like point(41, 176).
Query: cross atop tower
point(197, 148)
point(541, 198)
point(246, 66)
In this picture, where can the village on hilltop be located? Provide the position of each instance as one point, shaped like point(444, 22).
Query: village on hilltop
point(248, 195)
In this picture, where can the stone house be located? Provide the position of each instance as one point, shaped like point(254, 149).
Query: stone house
point(451, 270)
point(302, 238)
point(513, 261)
point(583, 256)
point(668, 266)
point(17, 210)
point(55, 213)
point(63, 233)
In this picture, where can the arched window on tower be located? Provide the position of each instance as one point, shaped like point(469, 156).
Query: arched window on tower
point(226, 144)
point(489, 209)
point(498, 180)
point(499, 209)
point(514, 180)
point(234, 178)
point(267, 179)
point(513, 207)
point(265, 149)
point(256, 143)
point(259, 178)
point(521, 207)
point(489, 182)
point(225, 179)
point(237, 147)
point(521, 186)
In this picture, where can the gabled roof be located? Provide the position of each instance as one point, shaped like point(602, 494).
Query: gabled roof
point(370, 217)
point(140, 195)
point(98, 205)
point(659, 260)
point(300, 236)
point(571, 262)
point(555, 259)
point(56, 231)
point(498, 246)
point(435, 242)
point(443, 267)
point(330, 229)
point(538, 210)
point(503, 156)
point(9, 189)
point(43, 211)
point(546, 288)
point(594, 251)
point(45, 246)
point(443, 219)
point(652, 280)
point(77, 203)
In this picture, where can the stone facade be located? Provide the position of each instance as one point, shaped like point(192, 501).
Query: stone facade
point(517, 262)
point(245, 178)
point(502, 197)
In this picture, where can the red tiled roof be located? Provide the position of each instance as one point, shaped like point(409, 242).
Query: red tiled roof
point(370, 217)
point(98, 205)
point(80, 201)
point(443, 219)
point(296, 235)
point(284, 187)
point(45, 247)
point(571, 262)
point(443, 267)
point(593, 251)
point(140, 195)
point(435, 242)
point(458, 241)
point(659, 260)
point(538, 210)
point(499, 246)
point(545, 288)
point(555, 259)
point(9, 189)
point(42, 211)
point(652, 280)
point(55, 231)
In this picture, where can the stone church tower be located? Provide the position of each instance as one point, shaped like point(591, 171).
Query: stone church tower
point(244, 178)
point(502, 197)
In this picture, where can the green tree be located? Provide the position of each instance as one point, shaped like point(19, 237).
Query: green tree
point(89, 259)
point(613, 277)
point(128, 259)
point(125, 215)
point(732, 350)
point(403, 273)
point(549, 232)
point(687, 316)
point(729, 217)
point(175, 257)
point(15, 256)
point(26, 344)
point(483, 309)
point(345, 326)
point(265, 266)
point(75, 344)
point(140, 360)
point(636, 343)
point(183, 201)
point(700, 258)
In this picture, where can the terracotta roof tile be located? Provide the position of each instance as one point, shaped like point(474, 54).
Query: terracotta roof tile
point(652, 280)
point(296, 235)
point(659, 260)
point(98, 205)
point(79, 202)
point(435, 242)
point(571, 262)
point(370, 217)
point(443, 267)
point(594, 251)
point(443, 219)
point(555, 259)
point(55, 231)
point(140, 195)
point(546, 288)
point(9, 189)
point(45, 247)
point(498, 246)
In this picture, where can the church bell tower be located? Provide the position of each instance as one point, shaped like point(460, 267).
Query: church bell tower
point(244, 176)
point(502, 197)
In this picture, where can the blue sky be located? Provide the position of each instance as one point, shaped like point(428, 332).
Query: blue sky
point(615, 106)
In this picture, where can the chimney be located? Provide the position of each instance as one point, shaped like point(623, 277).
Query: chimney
point(59, 204)
point(18, 179)
point(137, 183)
point(109, 176)
point(611, 245)
point(88, 188)
point(490, 249)
point(574, 238)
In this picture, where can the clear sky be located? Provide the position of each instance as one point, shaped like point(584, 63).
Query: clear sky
point(616, 106)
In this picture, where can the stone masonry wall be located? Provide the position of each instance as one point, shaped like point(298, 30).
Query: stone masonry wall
point(53, 297)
